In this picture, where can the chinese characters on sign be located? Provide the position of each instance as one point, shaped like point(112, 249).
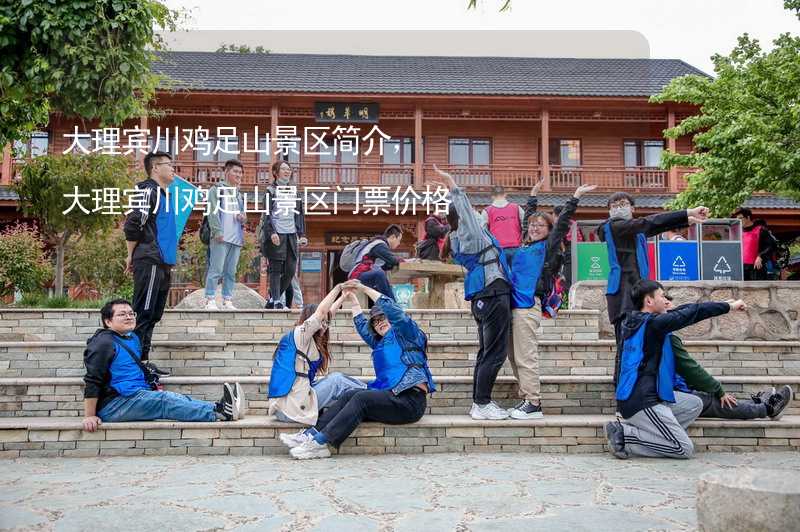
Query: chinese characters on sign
point(229, 141)
point(346, 112)
point(315, 201)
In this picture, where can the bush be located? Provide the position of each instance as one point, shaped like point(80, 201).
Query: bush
point(99, 260)
point(192, 262)
point(23, 262)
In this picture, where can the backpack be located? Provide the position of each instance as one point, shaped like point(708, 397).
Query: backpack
point(205, 231)
point(351, 254)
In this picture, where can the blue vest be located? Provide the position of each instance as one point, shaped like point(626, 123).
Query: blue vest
point(526, 269)
point(631, 359)
point(126, 375)
point(473, 262)
point(615, 273)
point(283, 372)
point(391, 362)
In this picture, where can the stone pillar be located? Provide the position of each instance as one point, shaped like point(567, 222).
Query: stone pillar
point(743, 500)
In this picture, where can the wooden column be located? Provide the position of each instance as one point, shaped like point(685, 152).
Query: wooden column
point(672, 145)
point(419, 178)
point(138, 156)
point(5, 172)
point(545, 162)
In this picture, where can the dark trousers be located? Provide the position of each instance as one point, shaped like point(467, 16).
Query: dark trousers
point(493, 316)
point(744, 409)
point(376, 279)
point(150, 292)
point(281, 273)
point(340, 419)
point(751, 274)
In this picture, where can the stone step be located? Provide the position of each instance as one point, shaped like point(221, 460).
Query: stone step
point(561, 394)
point(256, 435)
point(439, 324)
point(445, 357)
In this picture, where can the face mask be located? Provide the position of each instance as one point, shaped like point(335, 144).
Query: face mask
point(621, 212)
point(283, 181)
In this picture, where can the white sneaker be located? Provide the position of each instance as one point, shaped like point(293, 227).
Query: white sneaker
point(488, 411)
point(310, 449)
point(295, 440)
point(526, 410)
point(239, 400)
point(228, 305)
point(211, 304)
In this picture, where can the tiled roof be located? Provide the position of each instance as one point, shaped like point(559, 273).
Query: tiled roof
point(502, 76)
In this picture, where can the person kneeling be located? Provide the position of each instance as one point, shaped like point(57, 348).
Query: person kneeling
point(299, 387)
point(119, 387)
point(397, 396)
point(655, 416)
point(716, 401)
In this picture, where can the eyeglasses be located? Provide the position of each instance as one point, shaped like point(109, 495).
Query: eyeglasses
point(620, 204)
point(540, 225)
point(379, 319)
point(125, 315)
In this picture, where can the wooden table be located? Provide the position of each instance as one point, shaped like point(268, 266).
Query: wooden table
point(438, 275)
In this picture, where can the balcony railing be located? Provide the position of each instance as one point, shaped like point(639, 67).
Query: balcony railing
point(637, 178)
point(479, 177)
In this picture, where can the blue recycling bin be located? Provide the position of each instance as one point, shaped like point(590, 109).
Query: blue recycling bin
point(678, 260)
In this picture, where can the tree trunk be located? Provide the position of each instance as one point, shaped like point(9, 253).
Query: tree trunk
point(59, 268)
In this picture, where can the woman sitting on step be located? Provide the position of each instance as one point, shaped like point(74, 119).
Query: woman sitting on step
point(397, 396)
point(298, 386)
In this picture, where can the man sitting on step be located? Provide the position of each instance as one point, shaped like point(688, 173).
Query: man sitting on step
point(655, 415)
point(718, 403)
point(119, 387)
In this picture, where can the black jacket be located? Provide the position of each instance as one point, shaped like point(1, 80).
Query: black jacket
point(140, 225)
point(624, 233)
point(644, 393)
point(383, 252)
point(435, 229)
point(288, 243)
point(554, 255)
point(97, 357)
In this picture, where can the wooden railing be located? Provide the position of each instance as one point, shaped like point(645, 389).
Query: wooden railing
point(638, 178)
point(562, 178)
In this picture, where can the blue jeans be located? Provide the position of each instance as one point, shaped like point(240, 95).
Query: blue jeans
point(223, 258)
point(376, 279)
point(146, 405)
point(329, 390)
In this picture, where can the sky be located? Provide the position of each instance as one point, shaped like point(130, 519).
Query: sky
point(691, 30)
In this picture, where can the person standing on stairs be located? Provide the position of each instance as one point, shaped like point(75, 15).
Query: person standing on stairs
point(300, 384)
point(487, 287)
point(537, 293)
point(397, 396)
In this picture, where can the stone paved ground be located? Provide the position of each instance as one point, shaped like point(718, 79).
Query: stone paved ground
point(352, 493)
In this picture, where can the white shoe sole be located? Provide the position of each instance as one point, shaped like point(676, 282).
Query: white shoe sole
point(518, 414)
point(289, 441)
point(323, 453)
point(478, 416)
point(241, 402)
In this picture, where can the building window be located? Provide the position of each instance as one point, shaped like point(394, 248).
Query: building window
point(470, 152)
point(208, 167)
point(470, 155)
point(565, 152)
point(340, 167)
point(172, 148)
point(36, 146)
point(643, 153)
point(398, 156)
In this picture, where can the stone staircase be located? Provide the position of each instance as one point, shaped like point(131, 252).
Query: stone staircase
point(41, 387)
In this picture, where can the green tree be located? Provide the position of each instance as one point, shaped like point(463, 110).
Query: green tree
point(473, 4)
point(46, 190)
point(23, 261)
point(99, 259)
point(747, 133)
point(84, 58)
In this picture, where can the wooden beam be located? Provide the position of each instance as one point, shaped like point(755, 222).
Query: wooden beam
point(672, 145)
point(545, 142)
point(419, 178)
point(5, 172)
